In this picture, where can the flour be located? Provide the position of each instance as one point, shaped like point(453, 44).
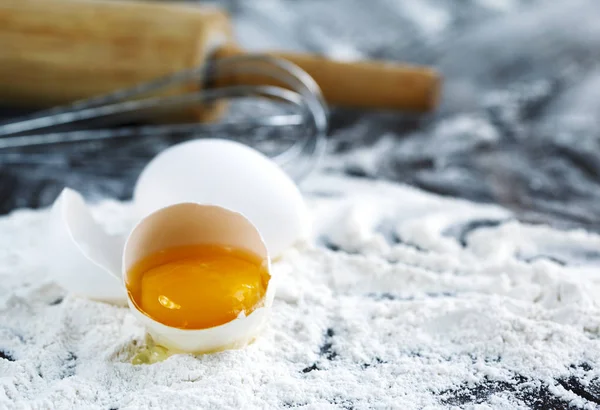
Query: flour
point(425, 302)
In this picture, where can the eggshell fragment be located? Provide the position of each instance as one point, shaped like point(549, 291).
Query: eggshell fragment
point(195, 224)
point(231, 175)
point(81, 256)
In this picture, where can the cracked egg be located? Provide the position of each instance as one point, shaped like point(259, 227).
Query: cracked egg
point(198, 277)
point(195, 270)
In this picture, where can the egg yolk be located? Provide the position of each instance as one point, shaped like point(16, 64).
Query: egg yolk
point(199, 286)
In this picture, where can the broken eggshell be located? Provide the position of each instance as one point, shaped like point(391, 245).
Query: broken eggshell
point(195, 224)
point(231, 175)
point(85, 259)
point(91, 263)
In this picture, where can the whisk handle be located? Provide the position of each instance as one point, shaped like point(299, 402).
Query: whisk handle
point(365, 84)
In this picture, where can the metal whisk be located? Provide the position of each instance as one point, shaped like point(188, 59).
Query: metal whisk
point(294, 137)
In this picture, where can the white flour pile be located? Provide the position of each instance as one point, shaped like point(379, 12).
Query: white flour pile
point(402, 315)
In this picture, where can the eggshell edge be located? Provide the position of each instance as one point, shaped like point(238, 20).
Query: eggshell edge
point(69, 258)
point(146, 206)
point(232, 335)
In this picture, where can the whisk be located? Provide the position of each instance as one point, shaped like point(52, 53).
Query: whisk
point(170, 61)
point(305, 120)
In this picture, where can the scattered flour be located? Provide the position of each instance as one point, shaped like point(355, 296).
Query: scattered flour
point(421, 300)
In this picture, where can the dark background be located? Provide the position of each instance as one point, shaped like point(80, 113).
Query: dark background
point(518, 123)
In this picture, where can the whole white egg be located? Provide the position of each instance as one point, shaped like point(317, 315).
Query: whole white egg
point(230, 175)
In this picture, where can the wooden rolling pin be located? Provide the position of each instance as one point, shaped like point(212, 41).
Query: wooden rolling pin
point(57, 51)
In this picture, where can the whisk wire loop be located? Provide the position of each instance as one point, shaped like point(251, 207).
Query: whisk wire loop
point(306, 110)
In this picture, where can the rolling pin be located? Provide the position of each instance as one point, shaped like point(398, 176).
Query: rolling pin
point(57, 51)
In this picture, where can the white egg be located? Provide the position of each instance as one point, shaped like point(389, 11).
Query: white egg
point(83, 258)
point(230, 175)
point(87, 261)
point(213, 192)
point(194, 224)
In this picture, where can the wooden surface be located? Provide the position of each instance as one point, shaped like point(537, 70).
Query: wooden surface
point(55, 52)
point(58, 51)
point(359, 84)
